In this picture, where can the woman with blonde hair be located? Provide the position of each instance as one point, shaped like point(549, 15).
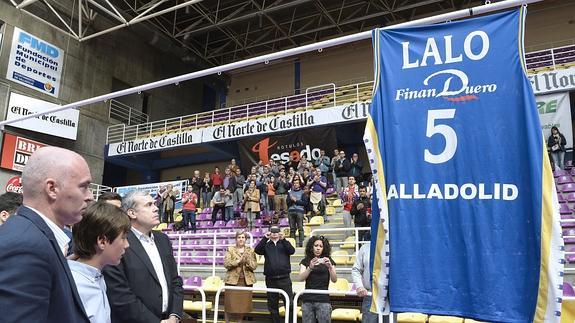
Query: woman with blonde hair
point(240, 262)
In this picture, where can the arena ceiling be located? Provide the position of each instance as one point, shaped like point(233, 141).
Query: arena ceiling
point(215, 32)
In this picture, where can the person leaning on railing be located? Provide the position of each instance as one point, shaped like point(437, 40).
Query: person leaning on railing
point(240, 261)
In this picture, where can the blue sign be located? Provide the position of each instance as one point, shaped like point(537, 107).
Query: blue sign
point(464, 184)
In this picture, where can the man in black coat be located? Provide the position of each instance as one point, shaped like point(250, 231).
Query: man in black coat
point(145, 287)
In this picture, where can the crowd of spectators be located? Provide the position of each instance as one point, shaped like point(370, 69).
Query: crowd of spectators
point(272, 190)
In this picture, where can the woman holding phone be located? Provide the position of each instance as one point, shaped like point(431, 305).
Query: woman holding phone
point(317, 269)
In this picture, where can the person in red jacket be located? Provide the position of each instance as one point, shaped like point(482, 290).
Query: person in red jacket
point(189, 203)
point(217, 179)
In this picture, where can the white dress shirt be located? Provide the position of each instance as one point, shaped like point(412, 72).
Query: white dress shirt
point(61, 237)
point(154, 255)
point(92, 290)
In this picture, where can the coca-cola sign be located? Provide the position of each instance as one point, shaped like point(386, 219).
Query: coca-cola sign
point(14, 185)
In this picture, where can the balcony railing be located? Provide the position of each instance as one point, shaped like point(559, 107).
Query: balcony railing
point(559, 57)
point(317, 97)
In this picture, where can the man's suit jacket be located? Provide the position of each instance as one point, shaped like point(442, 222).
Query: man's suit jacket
point(134, 290)
point(36, 284)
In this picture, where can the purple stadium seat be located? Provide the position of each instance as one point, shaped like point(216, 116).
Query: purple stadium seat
point(232, 224)
point(569, 198)
point(186, 258)
point(560, 198)
point(560, 172)
point(199, 258)
point(194, 281)
point(565, 209)
point(567, 224)
point(569, 233)
point(568, 188)
point(569, 164)
point(284, 222)
point(259, 223)
point(568, 290)
point(564, 179)
point(220, 258)
point(220, 224)
point(570, 258)
point(257, 232)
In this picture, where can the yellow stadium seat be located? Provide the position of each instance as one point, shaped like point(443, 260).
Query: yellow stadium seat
point(298, 286)
point(341, 257)
point(161, 226)
point(282, 311)
point(336, 203)
point(472, 321)
point(345, 314)
point(196, 306)
point(307, 231)
point(445, 319)
point(261, 260)
point(316, 220)
point(330, 210)
point(349, 243)
point(178, 218)
point(212, 284)
point(292, 241)
point(351, 260)
point(340, 285)
point(411, 318)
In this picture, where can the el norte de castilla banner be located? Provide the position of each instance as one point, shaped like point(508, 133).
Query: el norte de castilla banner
point(465, 215)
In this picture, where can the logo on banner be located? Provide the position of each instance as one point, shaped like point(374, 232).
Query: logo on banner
point(262, 148)
point(35, 63)
point(14, 185)
point(451, 82)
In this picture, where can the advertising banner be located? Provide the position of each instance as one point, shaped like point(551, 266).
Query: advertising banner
point(298, 144)
point(16, 151)
point(165, 141)
point(35, 63)
point(555, 110)
point(154, 188)
point(62, 124)
point(465, 217)
point(553, 81)
point(300, 120)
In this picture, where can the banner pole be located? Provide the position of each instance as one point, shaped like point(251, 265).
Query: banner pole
point(273, 56)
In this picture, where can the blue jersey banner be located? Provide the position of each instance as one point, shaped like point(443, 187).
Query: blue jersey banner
point(462, 178)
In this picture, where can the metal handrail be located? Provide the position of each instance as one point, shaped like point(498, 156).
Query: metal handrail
point(213, 246)
point(203, 295)
point(262, 289)
point(208, 118)
point(330, 292)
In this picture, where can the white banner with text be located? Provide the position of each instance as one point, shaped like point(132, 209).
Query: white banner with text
point(60, 124)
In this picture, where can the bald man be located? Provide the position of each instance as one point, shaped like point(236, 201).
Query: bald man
point(36, 284)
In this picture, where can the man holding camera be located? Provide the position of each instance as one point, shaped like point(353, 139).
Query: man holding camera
point(277, 268)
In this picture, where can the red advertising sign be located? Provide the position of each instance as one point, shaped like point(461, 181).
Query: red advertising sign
point(16, 151)
point(14, 185)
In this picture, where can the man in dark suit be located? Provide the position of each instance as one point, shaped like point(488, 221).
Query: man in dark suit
point(145, 287)
point(36, 284)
